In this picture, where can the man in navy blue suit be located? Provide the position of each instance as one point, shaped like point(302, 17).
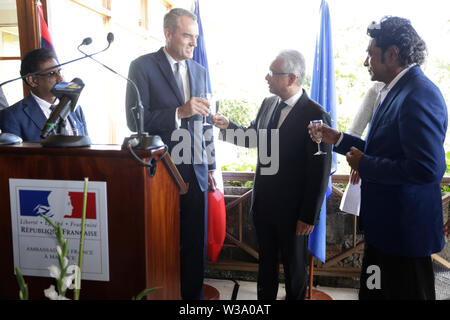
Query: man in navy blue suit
point(401, 165)
point(27, 117)
point(171, 86)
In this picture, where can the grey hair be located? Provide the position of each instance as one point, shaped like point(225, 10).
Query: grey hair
point(171, 18)
point(293, 62)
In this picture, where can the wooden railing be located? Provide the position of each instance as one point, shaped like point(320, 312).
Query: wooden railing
point(328, 268)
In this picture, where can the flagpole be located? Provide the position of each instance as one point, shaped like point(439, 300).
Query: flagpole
point(323, 92)
point(313, 294)
point(210, 293)
point(38, 8)
point(311, 275)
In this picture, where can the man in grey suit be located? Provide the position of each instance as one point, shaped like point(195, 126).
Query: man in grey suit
point(171, 85)
point(288, 195)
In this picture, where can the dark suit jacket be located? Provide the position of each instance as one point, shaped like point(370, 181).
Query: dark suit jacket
point(401, 171)
point(297, 190)
point(26, 120)
point(160, 97)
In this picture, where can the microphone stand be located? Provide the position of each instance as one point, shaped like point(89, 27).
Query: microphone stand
point(142, 140)
point(85, 42)
point(9, 138)
point(68, 94)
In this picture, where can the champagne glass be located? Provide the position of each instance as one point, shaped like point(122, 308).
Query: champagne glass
point(207, 96)
point(316, 130)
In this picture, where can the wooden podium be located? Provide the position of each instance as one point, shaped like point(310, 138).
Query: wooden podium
point(143, 217)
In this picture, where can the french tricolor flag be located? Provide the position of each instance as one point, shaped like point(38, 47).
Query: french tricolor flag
point(57, 204)
point(46, 40)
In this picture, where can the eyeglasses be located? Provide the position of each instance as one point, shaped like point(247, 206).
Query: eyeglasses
point(273, 73)
point(51, 74)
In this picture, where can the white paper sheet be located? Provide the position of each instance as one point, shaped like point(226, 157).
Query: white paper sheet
point(351, 199)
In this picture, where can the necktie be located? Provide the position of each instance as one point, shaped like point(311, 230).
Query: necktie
point(64, 126)
point(177, 75)
point(276, 115)
point(273, 124)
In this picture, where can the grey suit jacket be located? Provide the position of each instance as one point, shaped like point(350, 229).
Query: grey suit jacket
point(160, 96)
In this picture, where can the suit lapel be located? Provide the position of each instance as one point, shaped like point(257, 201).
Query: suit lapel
point(271, 105)
point(197, 83)
point(295, 111)
point(193, 75)
point(167, 72)
point(34, 112)
point(388, 101)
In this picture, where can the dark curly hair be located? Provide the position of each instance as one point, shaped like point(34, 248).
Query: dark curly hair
point(399, 32)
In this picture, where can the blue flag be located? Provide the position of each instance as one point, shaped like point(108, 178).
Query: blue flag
point(323, 91)
point(200, 50)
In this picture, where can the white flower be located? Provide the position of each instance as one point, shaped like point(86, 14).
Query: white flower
point(59, 250)
point(65, 262)
point(54, 271)
point(52, 294)
point(67, 282)
point(73, 280)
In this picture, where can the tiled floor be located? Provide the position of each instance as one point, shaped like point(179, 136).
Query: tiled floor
point(247, 290)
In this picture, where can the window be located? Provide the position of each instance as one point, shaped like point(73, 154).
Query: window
point(10, 51)
point(103, 97)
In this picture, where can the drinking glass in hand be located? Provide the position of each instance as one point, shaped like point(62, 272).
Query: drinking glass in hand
point(207, 96)
point(316, 126)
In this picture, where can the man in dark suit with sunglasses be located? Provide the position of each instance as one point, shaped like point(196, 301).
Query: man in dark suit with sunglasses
point(27, 117)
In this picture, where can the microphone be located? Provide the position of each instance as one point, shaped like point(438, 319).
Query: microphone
point(68, 94)
point(86, 41)
point(141, 140)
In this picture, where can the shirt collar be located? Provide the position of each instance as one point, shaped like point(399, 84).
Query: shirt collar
point(397, 78)
point(42, 103)
point(292, 101)
point(172, 61)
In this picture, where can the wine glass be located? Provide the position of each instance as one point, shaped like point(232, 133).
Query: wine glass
point(207, 96)
point(316, 130)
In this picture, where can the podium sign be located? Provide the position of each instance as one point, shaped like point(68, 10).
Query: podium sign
point(34, 240)
point(139, 241)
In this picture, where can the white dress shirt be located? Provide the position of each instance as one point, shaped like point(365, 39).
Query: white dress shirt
point(184, 78)
point(383, 93)
point(45, 107)
point(291, 102)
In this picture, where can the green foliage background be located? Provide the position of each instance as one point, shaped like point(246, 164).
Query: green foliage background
point(352, 82)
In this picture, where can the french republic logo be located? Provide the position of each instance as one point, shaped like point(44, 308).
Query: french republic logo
point(56, 204)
